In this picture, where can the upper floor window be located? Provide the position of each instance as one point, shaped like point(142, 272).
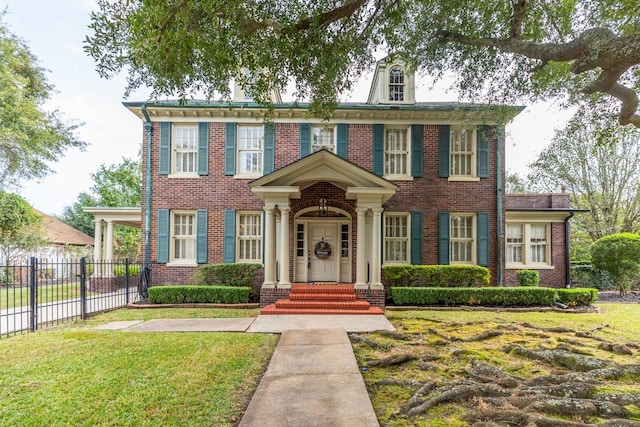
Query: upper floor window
point(183, 237)
point(462, 239)
point(323, 137)
point(396, 84)
point(397, 150)
point(250, 150)
point(249, 235)
point(463, 152)
point(527, 244)
point(185, 149)
point(396, 238)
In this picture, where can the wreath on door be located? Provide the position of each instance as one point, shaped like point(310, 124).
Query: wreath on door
point(322, 250)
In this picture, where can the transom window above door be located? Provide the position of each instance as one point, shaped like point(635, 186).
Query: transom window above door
point(323, 137)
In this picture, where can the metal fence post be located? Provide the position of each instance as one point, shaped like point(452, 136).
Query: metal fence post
point(83, 287)
point(126, 280)
point(33, 291)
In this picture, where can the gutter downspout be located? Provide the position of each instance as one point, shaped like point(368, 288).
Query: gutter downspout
point(499, 215)
point(567, 251)
point(148, 126)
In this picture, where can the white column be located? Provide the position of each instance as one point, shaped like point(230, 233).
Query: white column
point(108, 248)
point(97, 247)
point(269, 249)
point(284, 249)
point(376, 266)
point(361, 262)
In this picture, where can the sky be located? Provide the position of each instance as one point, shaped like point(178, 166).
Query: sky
point(54, 31)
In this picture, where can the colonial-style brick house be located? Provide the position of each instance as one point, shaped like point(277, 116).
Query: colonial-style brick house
point(387, 181)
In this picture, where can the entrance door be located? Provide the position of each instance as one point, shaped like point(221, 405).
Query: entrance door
point(324, 268)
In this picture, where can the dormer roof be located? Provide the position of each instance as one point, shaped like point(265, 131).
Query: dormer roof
point(393, 82)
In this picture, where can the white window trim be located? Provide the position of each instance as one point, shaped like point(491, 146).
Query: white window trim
point(398, 177)
point(526, 248)
point(173, 154)
point(185, 262)
point(404, 85)
point(407, 215)
point(474, 156)
point(245, 175)
point(237, 237)
point(328, 126)
point(474, 238)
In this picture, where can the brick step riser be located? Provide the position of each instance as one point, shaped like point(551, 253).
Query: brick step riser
point(356, 305)
point(274, 311)
point(322, 297)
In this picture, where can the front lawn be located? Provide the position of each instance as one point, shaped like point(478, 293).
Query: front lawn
point(78, 376)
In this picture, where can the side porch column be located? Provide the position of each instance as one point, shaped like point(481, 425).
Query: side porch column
point(361, 265)
point(376, 249)
point(269, 249)
point(284, 249)
point(109, 249)
point(97, 247)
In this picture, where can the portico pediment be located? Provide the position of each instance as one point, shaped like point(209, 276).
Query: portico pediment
point(324, 166)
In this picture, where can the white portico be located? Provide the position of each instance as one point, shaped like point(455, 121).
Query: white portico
point(324, 221)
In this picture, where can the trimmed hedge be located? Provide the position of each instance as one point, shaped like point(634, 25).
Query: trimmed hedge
point(577, 296)
point(493, 297)
point(120, 270)
point(528, 277)
point(199, 294)
point(231, 274)
point(450, 276)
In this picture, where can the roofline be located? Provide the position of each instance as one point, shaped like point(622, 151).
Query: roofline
point(547, 210)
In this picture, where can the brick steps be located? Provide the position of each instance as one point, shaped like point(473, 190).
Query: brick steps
point(322, 298)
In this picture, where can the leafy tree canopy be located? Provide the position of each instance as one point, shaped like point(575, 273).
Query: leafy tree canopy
point(30, 137)
point(503, 50)
point(20, 225)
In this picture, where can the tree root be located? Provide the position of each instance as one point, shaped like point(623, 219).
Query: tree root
point(397, 359)
point(369, 342)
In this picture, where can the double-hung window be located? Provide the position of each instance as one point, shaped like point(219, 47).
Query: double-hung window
point(249, 235)
point(463, 152)
point(183, 237)
point(396, 84)
point(396, 238)
point(185, 149)
point(397, 149)
point(250, 150)
point(323, 137)
point(527, 244)
point(462, 239)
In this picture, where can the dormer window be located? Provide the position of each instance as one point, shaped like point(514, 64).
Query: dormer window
point(396, 84)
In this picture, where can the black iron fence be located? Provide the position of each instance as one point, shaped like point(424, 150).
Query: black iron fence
point(40, 292)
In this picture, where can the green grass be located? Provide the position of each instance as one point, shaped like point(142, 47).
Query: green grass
point(78, 376)
point(16, 297)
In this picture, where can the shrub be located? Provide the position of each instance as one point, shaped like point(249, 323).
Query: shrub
point(231, 274)
point(437, 275)
point(199, 294)
point(120, 270)
point(528, 277)
point(584, 274)
point(577, 296)
point(486, 296)
point(618, 255)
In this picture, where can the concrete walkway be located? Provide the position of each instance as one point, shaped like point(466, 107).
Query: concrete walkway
point(312, 378)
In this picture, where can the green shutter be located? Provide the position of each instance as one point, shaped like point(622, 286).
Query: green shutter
point(378, 149)
point(229, 236)
point(203, 148)
point(483, 135)
point(416, 237)
point(444, 137)
point(164, 166)
point(483, 239)
point(269, 148)
point(443, 238)
point(416, 150)
point(201, 236)
point(342, 140)
point(163, 236)
point(230, 149)
point(305, 139)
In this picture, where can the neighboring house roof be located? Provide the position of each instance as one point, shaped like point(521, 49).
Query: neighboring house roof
point(59, 233)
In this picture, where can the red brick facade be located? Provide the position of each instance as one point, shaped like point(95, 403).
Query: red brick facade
point(428, 194)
